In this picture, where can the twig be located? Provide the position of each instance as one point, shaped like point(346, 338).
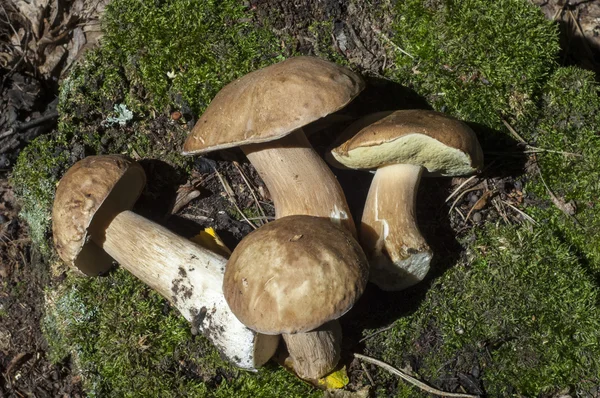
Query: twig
point(555, 200)
point(229, 193)
point(390, 42)
point(261, 218)
point(28, 125)
point(500, 210)
point(534, 149)
point(585, 43)
point(460, 212)
point(463, 193)
point(375, 333)
point(251, 188)
point(513, 132)
point(411, 379)
point(469, 179)
point(521, 212)
point(460, 186)
point(362, 365)
point(480, 203)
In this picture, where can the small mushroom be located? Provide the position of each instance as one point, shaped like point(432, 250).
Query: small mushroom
point(92, 226)
point(401, 146)
point(263, 112)
point(295, 276)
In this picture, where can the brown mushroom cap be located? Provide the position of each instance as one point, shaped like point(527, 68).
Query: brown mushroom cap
point(271, 102)
point(439, 143)
point(294, 274)
point(93, 189)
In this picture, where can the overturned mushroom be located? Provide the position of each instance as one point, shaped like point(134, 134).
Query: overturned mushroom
point(401, 146)
point(295, 276)
point(92, 225)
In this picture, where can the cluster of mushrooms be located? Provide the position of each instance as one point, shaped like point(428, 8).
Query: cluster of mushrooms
point(295, 276)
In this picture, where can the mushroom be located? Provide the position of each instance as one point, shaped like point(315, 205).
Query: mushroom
point(403, 145)
point(263, 112)
point(295, 276)
point(92, 225)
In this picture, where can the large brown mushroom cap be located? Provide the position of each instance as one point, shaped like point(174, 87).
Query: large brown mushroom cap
point(271, 102)
point(439, 143)
point(294, 274)
point(93, 188)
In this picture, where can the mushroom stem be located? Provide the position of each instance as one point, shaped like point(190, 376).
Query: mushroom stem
point(299, 181)
point(398, 254)
point(315, 353)
point(189, 276)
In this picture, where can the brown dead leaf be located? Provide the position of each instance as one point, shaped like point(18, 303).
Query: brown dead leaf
point(569, 208)
point(296, 238)
point(185, 194)
point(480, 204)
point(33, 11)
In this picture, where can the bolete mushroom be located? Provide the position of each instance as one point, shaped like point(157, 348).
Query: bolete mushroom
point(92, 225)
point(263, 113)
point(401, 146)
point(295, 276)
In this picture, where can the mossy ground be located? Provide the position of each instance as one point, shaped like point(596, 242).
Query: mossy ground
point(518, 314)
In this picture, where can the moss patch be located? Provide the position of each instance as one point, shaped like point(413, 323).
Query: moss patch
point(129, 342)
point(474, 59)
point(522, 314)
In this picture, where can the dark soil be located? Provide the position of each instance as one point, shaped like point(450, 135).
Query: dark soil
point(24, 368)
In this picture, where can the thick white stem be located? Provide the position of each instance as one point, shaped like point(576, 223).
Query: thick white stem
point(299, 181)
point(190, 277)
point(398, 253)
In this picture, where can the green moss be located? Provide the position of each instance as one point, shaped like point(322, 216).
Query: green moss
point(568, 121)
point(186, 49)
point(524, 310)
point(128, 342)
point(34, 178)
point(323, 45)
point(477, 60)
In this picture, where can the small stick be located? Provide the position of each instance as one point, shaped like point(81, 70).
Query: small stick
point(362, 365)
point(469, 179)
point(232, 199)
point(534, 149)
point(525, 215)
point(480, 203)
point(500, 210)
point(513, 132)
point(460, 186)
point(463, 193)
point(555, 200)
point(585, 44)
point(251, 188)
point(375, 333)
point(460, 212)
point(411, 379)
point(390, 42)
point(268, 218)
